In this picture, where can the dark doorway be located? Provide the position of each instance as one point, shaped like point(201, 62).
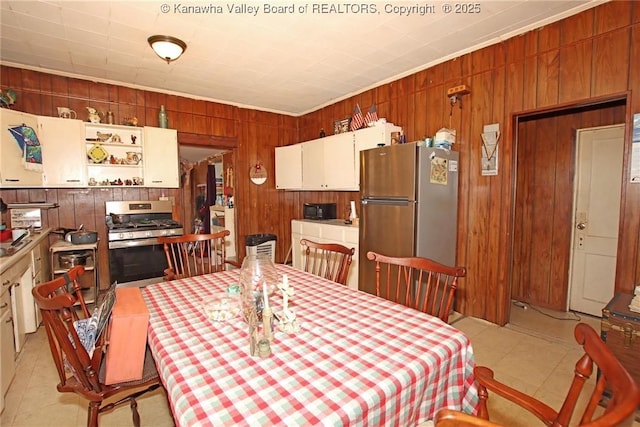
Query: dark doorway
point(544, 182)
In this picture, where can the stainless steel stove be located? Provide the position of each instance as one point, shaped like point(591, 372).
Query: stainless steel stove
point(135, 256)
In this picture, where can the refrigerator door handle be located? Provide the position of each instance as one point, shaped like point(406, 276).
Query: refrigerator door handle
point(389, 202)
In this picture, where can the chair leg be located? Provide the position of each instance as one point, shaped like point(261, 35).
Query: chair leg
point(92, 415)
point(483, 395)
point(134, 410)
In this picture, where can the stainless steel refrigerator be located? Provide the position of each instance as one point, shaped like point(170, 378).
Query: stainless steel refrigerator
point(409, 205)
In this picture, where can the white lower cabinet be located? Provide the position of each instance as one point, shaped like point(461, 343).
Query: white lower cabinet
point(7, 348)
point(332, 231)
point(19, 279)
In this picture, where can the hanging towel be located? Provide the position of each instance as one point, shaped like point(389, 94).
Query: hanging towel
point(28, 142)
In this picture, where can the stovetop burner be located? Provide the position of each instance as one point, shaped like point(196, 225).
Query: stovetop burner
point(145, 220)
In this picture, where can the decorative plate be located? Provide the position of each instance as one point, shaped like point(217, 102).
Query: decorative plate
point(97, 153)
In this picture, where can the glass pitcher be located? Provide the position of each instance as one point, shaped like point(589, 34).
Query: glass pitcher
point(255, 270)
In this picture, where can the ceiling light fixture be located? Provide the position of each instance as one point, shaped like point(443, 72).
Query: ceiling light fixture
point(167, 47)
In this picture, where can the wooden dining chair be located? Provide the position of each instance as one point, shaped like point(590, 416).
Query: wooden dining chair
point(419, 283)
point(82, 370)
point(195, 254)
point(452, 418)
point(328, 260)
point(615, 407)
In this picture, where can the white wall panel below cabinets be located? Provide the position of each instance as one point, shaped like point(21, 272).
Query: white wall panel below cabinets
point(331, 231)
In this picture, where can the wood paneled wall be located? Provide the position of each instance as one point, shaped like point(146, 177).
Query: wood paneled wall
point(591, 55)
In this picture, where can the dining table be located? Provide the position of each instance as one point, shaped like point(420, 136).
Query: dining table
point(356, 360)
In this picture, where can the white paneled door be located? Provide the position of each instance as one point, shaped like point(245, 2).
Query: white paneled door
point(596, 217)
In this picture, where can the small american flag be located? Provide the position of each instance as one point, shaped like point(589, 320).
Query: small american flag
point(372, 115)
point(357, 120)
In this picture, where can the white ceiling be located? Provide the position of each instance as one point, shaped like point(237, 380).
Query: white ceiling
point(290, 63)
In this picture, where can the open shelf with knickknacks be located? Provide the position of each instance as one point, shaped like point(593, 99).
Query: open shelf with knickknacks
point(114, 154)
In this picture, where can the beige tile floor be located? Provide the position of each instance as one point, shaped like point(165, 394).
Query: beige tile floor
point(533, 352)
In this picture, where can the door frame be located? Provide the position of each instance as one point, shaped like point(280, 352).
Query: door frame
point(504, 312)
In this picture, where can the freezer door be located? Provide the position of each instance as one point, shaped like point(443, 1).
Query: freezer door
point(387, 227)
point(389, 171)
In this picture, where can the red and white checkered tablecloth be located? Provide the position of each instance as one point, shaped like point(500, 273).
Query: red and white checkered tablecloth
point(358, 359)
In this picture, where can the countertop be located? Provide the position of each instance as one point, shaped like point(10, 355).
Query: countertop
point(336, 222)
point(32, 241)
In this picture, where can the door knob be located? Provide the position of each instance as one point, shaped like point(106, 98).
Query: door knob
point(581, 225)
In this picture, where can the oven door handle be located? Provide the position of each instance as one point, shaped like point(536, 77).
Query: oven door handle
point(119, 244)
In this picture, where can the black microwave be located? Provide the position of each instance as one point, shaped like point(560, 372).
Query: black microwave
point(319, 211)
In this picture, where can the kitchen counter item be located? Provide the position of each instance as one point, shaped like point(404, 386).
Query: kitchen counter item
point(5, 235)
point(120, 218)
point(10, 255)
point(73, 258)
point(81, 237)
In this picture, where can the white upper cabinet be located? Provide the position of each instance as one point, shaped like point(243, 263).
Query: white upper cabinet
point(63, 152)
point(289, 167)
point(331, 163)
point(160, 158)
point(15, 171)
point(313, 165)
point(80, 154)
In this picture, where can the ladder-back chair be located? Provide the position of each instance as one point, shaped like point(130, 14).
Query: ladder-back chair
point(81, 370)
point(419, 283)
point(195, 254)
point(620, 400)
point(328, 260)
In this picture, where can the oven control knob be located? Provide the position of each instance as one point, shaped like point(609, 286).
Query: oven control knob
point(121, 236)
point(148, 234)
point(130, 236)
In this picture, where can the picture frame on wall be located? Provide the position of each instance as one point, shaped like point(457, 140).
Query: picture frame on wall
point(341, 126)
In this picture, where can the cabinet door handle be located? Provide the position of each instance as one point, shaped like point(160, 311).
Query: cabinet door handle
point(5, 305)
point(6, 283)
point(9, 320)
point(12, 179)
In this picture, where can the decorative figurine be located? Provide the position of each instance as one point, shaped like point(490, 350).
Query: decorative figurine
point(94, 116)
point(287, 322)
